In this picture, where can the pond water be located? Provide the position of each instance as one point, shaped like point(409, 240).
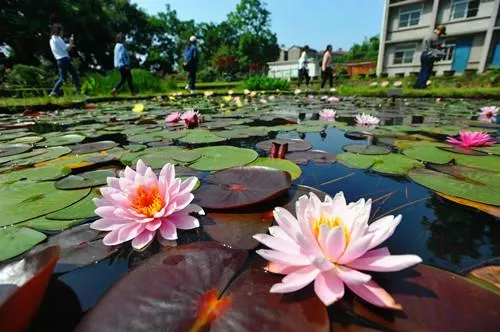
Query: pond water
point(443, 233)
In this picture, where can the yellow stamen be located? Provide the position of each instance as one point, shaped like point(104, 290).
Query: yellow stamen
point(148, 201)
point(331, 222)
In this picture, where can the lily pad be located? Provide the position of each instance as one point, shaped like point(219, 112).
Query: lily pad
point(50, 225)
point(80, 246)
point(462, 182)
point(12, 149)
point(281, 164)
point(23, 286)
point(93, 147)
point(157, 136)
point(315, 156)
point(61, 140)
point(159, 156)
point(394, 164)
point(27, 140)
point(85, 180)
point(80, 210)
point(201, 136)
point(243, 186)
point(366, 149)
point(495, 149)
point(216, 158)
point(209, 296)
point(38, 156)
point(16, 240)
point(311, 128)
point(489, 209)
point(22, 201)
point(35, 174)
point(294, 145)
point(457, 149)
point(33, 153)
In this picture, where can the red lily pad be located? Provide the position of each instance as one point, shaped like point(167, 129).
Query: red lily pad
point(22, 287)
point(242, 186)
point(191, 288)
point(294, 145)
point(315, 156)
point(236, 228)
point(428, 296)
point(357, 135)
point(93, 147)
point(80, 246)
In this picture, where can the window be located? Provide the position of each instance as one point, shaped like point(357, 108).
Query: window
point(449, 48)
point(410, 16)
point(403, 54)
point(464, 8)
point(285, 56)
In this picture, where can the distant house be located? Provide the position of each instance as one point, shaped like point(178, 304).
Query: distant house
point(287, 65)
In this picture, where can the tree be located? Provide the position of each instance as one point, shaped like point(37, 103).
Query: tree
point(366, 51)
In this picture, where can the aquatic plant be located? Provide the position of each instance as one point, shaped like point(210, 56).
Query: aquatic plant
point(328, 242)
point(139, 205)
point(468, 139)
point(192, 118)
point(173, 117)
point(488, 114)
point(367, 120)
point(328, 114)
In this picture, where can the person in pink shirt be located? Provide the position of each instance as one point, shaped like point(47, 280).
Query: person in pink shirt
point(327, 67)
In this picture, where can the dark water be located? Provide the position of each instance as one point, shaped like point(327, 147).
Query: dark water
point(444, 234)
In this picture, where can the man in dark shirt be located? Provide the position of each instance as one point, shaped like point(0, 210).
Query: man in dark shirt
point(191, 62)
point(431, 52)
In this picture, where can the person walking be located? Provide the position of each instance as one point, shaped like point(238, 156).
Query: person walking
point(432, 51)
point(303, 69)
point(60, 51)
point(190, 63)
point(327, 67)
point(122, 63)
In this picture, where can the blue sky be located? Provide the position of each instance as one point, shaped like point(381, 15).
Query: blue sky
point(296, 22)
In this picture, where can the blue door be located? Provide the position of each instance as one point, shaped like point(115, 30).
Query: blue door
point(461, 58)
point(495, 60)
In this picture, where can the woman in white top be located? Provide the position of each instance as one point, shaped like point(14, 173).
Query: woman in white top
point(60, 51)
point(303, 70)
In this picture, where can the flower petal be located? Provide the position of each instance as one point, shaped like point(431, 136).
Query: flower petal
point(168, 231)
point(278, 244)
point(335, 243)
point(385, 263)
point(328, 287)
point(143, 239)
point(374, 294)
point(382, 229)
point(184, 221)
point(283, 258)
point(349, 275)
point(296, 280)
point(356, 249)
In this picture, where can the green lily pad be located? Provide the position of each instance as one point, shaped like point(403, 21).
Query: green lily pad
point(157, 136)
point(135, 147)
point(215, 158)
point(13, 149)
point(429, 153)
point(85, 180)
point(27, 140)
point(281, 164)
point(201, 136)
point(463, 182)
point(159, 156)
point(33, 153)
point(35, 174)
point(80, 210)
point(23, 201)
point(366, 149)
point(495, 149)
point(16, 240)
point(457, 149)
point(61, 140)
point(49, 225)
point(49, 154)
point(394, 164)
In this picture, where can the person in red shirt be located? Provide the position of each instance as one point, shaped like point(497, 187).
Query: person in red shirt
point(327, 67)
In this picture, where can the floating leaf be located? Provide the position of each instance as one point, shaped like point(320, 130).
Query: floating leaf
point(16, 240)
point(215, 158)
point(243, 186)
point(22, 201)
point(50, 225)
point(93, 147)
point(495, 149)
point(393, 163)
point(281, 164)
point(294, 145)
point(489, 274)
point(157, 157)
point(12, 149)
point(157, 136)
point(22, 288)
point(366, 149)
point(80, 210)
point(39, 156)
point(315, 156)
point(428, 295)
point(462, 182)
point(201, 136)
point(35, 174)
point(311, 128)
point(61, 140)
point(85, 180)
point(489, 209)
point(457, 149)
point(80, 246)
point(207, 296)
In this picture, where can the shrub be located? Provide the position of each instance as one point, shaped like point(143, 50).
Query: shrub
point(265, 83)
point(207, 74)
point(227, 65)
point(144, 81)
point(24, 76)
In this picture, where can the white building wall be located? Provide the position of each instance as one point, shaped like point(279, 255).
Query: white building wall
point(287, 70)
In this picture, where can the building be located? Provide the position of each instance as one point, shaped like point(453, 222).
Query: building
point(287, 65)
point(472, 41)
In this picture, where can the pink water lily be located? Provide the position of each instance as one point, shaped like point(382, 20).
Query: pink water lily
point(367, 120)
point(139, 205)
point(469, 139)
point(327, 243)
point(173, 117)
point(489, 114)
point(192, 118)
point(333, 100)
point(328, 114)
